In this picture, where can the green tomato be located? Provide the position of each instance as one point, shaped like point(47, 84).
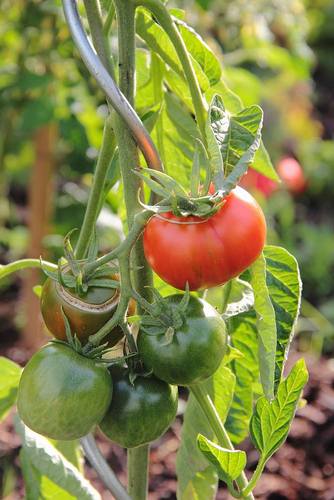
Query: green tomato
point(62, 394)
point(195, 350)
point(140, 412)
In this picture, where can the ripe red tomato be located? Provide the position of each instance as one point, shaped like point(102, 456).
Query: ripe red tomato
point(254, 181)
point(292, 175)
point(206, 252)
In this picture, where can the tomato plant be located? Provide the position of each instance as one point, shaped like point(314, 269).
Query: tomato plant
point(206, 252)
point(62, 394)
point(196, 347)
point(226, 336)
point(140, 411)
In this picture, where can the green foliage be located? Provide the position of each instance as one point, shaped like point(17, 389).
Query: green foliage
point(48, 472)
point(271, 421)
point(10, 374)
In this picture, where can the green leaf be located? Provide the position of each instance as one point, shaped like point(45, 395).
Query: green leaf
point(201, 52)
point(10, 374)
point(234, 298)
point(285, 287)
point(157, 40)
point(266, 326)
point(195, 478)
point(262, 164)
point(242, 329)
point(271, 421)
point(231, 101)
point(228, 463)
point(216, 112)
point(47, 461)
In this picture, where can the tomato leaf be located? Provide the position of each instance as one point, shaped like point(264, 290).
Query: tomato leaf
point(271, 421)
point(284, 286)
point(157, 40)
point(228, 463)
point(10, 374)
point(242, 329)
point(266, 326)
point(200, 51)
point(49, 462)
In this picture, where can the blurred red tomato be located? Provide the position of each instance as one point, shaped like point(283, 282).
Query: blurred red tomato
point(292, 175)
point(254, 181)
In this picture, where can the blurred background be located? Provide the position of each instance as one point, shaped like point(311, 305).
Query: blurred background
point(277, 53)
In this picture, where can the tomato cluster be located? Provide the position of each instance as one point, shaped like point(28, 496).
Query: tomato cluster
point(181, 340)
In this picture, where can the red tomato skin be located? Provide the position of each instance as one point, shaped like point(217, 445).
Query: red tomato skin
point(292, 175)
point(206, 252)
point(254, 181)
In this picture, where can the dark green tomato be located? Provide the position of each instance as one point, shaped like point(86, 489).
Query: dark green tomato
point(196, 349)
point(138, 413)
point(86, 314)
point(62, 394)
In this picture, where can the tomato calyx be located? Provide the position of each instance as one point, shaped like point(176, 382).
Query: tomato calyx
point(89, 351)
point(71, 274)
point(174, 197)
point(162, 318)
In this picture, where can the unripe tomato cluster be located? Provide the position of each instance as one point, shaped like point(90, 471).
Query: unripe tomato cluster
point(64, 394)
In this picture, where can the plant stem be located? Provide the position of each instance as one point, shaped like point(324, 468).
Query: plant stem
point(255, 477)
point(137, 480)
point(106, 474)
point(157, 78)
point(160, 12)
point(218, 428)
point(128, 156)
point(100, 41)
point(19, 265)
point(109, 19)
point(96, 193)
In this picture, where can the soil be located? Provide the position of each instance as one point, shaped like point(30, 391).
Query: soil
point(302, 469)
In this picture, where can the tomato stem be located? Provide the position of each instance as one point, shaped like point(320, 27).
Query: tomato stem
point(160, 12)
point(218, 428)
point(21, 264)
point(137, 479)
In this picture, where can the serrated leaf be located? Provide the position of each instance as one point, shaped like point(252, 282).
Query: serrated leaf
point(285, 287)
point(215, 156)
point(157, 40)
point(228, 463)
point(266, 326)
point(192, 469)
point(50, 463)
point(201, 52)
point(10, 374)
point(271, 421)
point(242, 329)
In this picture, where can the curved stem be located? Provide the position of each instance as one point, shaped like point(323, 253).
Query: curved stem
point(218, 428)
point(137, 480)
point(19, 265)
point(105, 81)
point(160, 12)
point(96, 193)
point(105, 473)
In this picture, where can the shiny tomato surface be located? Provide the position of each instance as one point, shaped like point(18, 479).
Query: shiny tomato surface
point(206, 252)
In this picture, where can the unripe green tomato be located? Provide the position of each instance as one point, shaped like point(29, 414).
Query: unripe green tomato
point(62, 394)
point(86, 314)
point(140, 412)
point(196, 349)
